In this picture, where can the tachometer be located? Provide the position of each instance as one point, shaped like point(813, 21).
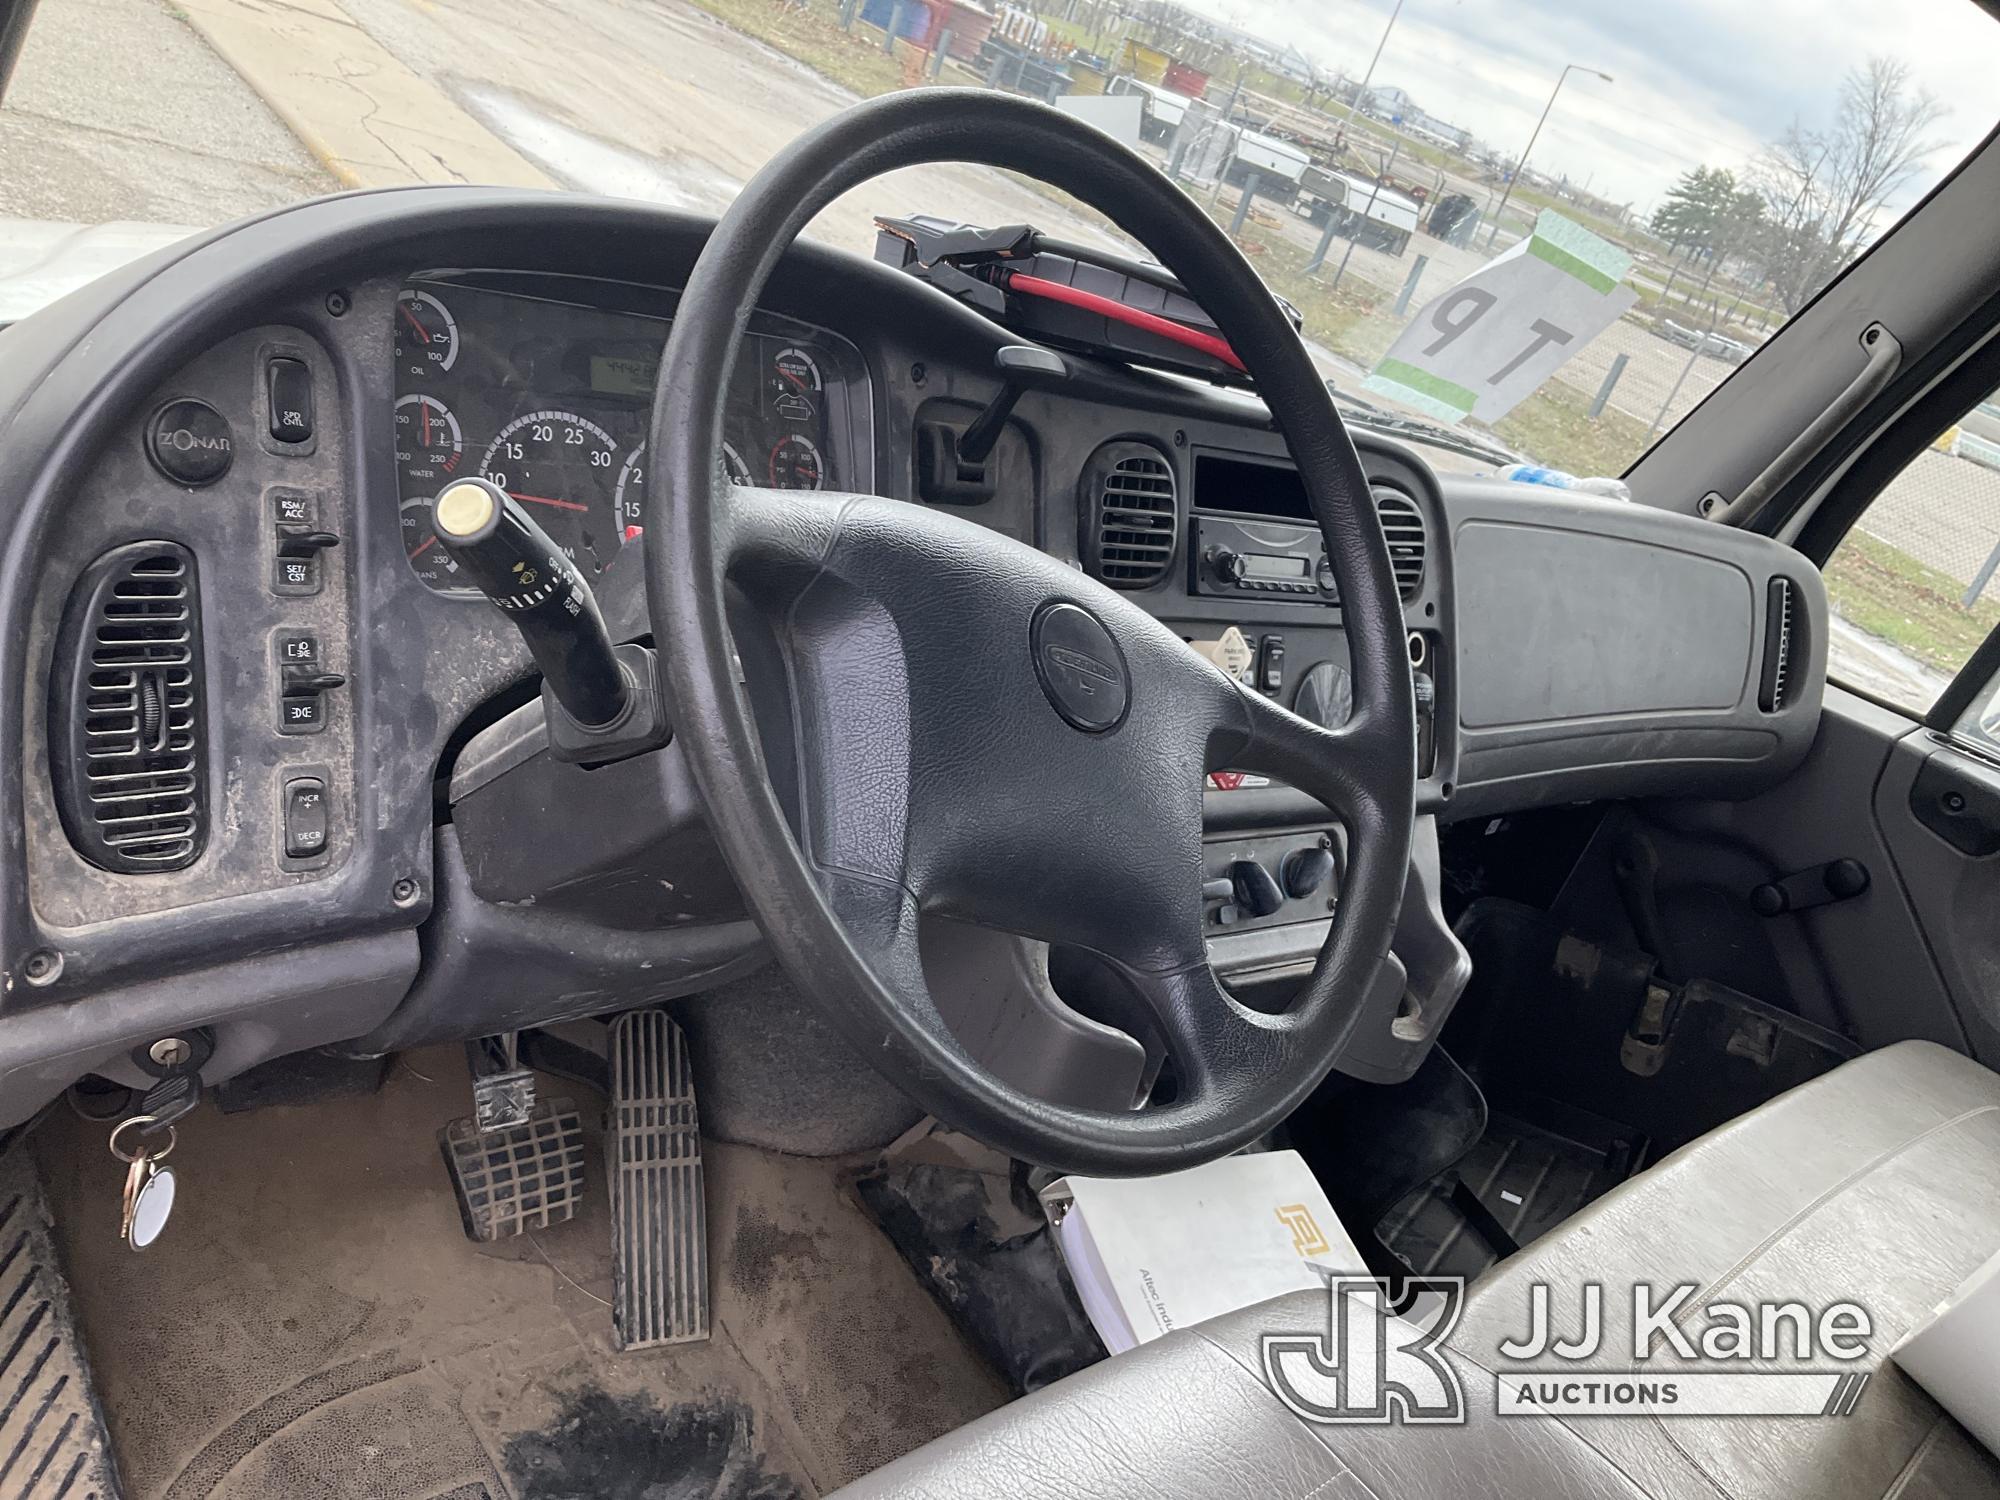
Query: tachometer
point(426, 334)
point(429, 446)
point(629, 499)
point(795, 464)
point(564, 468)
point(794, 385)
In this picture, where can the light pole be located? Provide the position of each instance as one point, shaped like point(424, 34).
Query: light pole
point(1361, 91)
point(1519, 166)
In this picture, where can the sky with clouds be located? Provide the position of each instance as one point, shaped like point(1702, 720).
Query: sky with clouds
point(1696, 82)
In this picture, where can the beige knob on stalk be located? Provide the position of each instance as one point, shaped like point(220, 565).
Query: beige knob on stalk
point(465, 508)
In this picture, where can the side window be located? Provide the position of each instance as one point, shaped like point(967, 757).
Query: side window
point(1914, 587)
point(1980, 722)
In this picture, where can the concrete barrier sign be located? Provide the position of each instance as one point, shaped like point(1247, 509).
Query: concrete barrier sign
point(1481, 347)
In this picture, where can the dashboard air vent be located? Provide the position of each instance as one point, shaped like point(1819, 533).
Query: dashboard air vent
point(126, 740)
point(1783, 642)
point(1403, 526)
point(1130, 508)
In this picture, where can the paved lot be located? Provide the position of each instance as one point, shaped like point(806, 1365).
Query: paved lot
point(118, 110)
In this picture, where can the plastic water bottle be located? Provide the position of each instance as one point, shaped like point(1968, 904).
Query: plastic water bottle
point(1556, 479)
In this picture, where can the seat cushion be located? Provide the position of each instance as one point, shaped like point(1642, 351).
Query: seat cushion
point(1878, 1184)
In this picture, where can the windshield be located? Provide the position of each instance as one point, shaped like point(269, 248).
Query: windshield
point(1550, 229)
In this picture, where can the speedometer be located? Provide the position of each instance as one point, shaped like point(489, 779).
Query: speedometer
point(564, 469)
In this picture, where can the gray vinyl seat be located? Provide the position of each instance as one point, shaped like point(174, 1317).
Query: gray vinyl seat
point(1879, 1183)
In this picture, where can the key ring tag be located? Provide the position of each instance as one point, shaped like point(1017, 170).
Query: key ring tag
point(150, 1188)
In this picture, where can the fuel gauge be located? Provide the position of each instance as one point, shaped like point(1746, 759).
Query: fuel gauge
point(795, 385)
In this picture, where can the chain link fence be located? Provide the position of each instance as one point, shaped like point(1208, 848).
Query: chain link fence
point(1915, 586)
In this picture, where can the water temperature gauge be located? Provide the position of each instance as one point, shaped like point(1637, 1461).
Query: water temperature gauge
point(429, 444)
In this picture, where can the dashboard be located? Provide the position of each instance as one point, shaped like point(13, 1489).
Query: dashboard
point(342, 827)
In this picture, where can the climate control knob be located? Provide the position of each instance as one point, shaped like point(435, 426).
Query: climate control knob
point(1305, 871)
point(1256, 892)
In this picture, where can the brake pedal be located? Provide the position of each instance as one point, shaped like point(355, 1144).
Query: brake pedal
point(659, 1221)
point(516, 1162)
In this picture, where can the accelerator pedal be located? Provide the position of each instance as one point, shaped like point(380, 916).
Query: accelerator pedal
point(516, 1162)
point(659, 1222)
point(52, 1438)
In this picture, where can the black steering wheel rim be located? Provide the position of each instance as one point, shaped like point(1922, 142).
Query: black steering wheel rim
point(697, 531)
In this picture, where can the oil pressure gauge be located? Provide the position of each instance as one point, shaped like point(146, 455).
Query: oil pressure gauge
point(426, 335)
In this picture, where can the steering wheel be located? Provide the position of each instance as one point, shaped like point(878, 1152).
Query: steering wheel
point(979, 731)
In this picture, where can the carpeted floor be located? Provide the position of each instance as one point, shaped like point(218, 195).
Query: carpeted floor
point(315, 1325)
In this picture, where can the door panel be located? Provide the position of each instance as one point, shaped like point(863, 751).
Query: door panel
point(1916, 954)
point(1940, 811)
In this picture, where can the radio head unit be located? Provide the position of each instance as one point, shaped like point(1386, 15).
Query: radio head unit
point(1266, 559)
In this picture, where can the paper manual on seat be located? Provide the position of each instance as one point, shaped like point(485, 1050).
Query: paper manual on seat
point(1952, 1354)
point(1151, 1254)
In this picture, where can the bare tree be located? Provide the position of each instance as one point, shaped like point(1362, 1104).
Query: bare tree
point(1823, 189)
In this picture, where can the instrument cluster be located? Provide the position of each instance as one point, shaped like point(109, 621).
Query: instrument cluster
point(550, 399)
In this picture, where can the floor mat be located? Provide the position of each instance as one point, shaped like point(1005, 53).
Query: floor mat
point(53, 1444)
point(1592, 1067)
point(1550, 1015)
point(993, 1266)
point(1520, 1181)
point(314, 1324)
